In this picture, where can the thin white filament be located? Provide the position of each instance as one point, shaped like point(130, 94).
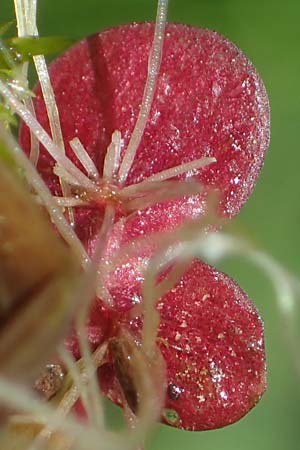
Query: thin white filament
point(149, 91)
point(35, 180)
point(89, 293)
point(170, 191)
point(25, 15)
point(17, 397)
point(44, 138)
point(53, 116)
point(183, 168)
point(86, 437)
point(112, 158)
point(21, 15)
point(51, 107)
point(85, 159)
point(173, 250)
point(77, 378)
point(65, 175)
point(152, 292)
point(30, 29)
point(34, 143)
point(216, 247)
point(167, 174)
point(70, 201)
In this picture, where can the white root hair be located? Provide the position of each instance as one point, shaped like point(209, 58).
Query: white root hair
point(149, 91)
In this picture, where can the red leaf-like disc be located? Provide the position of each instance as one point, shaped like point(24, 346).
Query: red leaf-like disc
point(209, 101)
point(211, 338)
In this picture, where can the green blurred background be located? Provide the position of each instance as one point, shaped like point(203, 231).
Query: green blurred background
point(269, 33)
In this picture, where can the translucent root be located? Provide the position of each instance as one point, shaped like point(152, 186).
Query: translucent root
point(45, 139)
point(77, 385)
point(17, 397)
point(35, 180)
point(97, 268)
point(26, 24)
point(112, 158)
point(26, 17)
point(40, 413)
point(153, 292)
point(85, 159)
point(152, 391)
point(27, 10)
point(129, 416)
point(135, 197)
point(167, 174)
point(65, 175)
point(170, 255)
point(148, 383)
point(70, 202)
point(81, 382)
point(88, 293)
point(166, 255)
point(53, 115)
point(75, 373)
point(167, 191)
point(153, 70)
point(217, 247)
point(34, 143)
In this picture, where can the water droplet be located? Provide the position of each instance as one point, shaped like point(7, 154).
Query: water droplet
point(174, 391)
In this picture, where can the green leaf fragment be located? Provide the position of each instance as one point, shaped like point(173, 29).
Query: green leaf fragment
point(26, 47)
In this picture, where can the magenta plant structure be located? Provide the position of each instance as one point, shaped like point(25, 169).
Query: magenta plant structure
point(206, 130)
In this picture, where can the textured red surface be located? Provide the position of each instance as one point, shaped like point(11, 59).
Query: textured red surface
point(212, 340)
point(209, 102)
point(213, 345)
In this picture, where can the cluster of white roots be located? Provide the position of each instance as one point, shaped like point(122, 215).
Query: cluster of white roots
point(78, 190)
